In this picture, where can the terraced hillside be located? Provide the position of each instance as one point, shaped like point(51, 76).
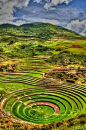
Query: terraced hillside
point(27, 95)
point(26, 98)
point(43, 105)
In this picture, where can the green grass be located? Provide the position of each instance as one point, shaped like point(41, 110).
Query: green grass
point(36, 75)
point(70, 99)
point(38, 53)
point(29, 78)
point(8, 87)
point(34, 45)
point(77, 50)
point(3, 44)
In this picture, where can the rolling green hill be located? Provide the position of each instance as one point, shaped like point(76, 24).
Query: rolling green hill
point(35, 31)
point(34, 39)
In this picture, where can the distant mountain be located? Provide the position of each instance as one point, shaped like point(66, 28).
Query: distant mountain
point(36, 31)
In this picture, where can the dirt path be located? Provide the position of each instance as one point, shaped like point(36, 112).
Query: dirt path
point(55, 107)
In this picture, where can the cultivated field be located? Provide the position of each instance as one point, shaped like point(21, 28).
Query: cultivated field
point(25, 100)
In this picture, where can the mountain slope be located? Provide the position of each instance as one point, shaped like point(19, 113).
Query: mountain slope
point(35, 31)
point(35, 39)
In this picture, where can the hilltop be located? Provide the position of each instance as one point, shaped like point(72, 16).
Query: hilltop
point(35, 31)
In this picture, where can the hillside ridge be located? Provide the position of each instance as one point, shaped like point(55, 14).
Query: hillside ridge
point(36, 25)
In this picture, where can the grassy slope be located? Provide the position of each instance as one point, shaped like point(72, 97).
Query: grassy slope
point(34, 31)
point(35, 39)
point(38, 39)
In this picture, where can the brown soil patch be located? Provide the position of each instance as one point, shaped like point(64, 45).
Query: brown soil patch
point(55, 107)
point(76, 46)
point(2, 103)
point(43, 56)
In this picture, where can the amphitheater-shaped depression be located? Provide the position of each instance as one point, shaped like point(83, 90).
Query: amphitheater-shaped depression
point(40, 105)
